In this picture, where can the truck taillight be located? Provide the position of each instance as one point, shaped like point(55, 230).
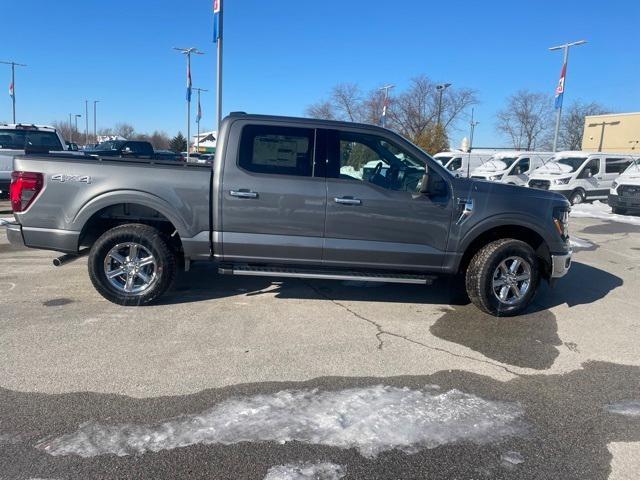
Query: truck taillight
point(25, 187)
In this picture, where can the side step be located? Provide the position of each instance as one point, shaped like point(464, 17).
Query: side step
point(325, 274)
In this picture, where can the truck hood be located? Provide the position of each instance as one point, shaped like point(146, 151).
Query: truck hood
point(628, 180)
point(507, 191)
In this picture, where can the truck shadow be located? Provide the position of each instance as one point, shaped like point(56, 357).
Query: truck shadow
point(570, 418)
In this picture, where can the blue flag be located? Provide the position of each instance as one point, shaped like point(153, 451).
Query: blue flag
point(188, 83)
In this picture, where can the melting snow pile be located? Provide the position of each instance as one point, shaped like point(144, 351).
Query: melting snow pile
point(576, 242)
point(306, 471)
point(372, 420)
point(602, 211)
point(626, 407)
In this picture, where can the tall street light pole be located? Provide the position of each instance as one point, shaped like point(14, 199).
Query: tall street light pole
point(95, 131)
point(188, 52)
point(77, 115)
point(198, 117)
point(71, 127)
point(86, 122)
point(12, 87)
point(441, 88)
point(385, 104)
point(562, 85)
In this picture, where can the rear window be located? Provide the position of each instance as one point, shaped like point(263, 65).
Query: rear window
point(28, 139)
point(277, 150)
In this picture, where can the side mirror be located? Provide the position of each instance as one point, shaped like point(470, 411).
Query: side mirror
point(424, 184)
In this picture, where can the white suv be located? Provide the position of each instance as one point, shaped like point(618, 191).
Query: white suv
point(17, 139)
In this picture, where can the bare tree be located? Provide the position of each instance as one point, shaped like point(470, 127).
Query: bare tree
point(68, 132)
point(414, 113)
point(124, 130)
point(572, 127)
point(323, 109)
point(526, 119)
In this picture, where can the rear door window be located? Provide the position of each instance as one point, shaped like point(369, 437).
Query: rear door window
point(277, 150)
point(616, 165)
point(29, 139)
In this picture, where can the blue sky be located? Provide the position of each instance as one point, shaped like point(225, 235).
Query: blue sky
point(282, 55)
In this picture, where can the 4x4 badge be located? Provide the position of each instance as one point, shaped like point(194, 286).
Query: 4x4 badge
point(63, 177)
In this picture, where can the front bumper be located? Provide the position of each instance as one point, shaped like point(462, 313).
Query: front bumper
point(631, 203)
point(560, 264)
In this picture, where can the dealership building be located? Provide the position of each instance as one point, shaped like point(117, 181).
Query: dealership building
point(616, 132)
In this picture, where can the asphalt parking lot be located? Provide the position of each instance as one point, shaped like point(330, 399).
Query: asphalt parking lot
point(247, 378)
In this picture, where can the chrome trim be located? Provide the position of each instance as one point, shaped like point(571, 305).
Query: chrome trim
point(559, 266)
point(328, 276)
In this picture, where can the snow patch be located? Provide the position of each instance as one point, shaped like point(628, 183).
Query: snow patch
point(576, 242)
point(630, 408)
point(372, 420)
point(306, 471)
point(4, 220)
point(601, 211)
point(510, 459)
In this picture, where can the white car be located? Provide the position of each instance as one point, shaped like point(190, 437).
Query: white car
point(460, 163)
point(17, 139)
point(512, 168)
point(580, 176)
point(624, 195)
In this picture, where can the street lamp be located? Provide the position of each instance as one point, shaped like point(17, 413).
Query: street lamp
point(71, 125)
point(188, 52)
point(385, 103)
point(562, 84)
point(95, 133)
point(441, 88)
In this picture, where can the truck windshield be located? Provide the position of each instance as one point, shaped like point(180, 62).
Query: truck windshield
point(110, 145)
point(573, 162)
point(11, 139)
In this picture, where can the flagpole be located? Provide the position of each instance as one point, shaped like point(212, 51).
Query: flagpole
point(188, 52)
point(219, 70)
point(565, 48)
point(13, 85)
point(199, 117)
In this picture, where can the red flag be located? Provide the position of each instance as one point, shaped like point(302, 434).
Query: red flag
point(11, 89)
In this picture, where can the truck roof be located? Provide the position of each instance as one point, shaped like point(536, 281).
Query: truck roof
point(27, 126)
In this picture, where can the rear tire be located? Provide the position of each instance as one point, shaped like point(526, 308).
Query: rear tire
point(132, 265)
point(578, 196)
point(502, 277)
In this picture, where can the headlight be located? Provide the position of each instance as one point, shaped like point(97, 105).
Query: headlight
point(561, 221)
point(614, 185)
point(495, 177)
point(561, 181)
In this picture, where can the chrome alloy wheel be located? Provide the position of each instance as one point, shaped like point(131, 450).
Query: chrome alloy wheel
point(511, 280)
point(131, 268)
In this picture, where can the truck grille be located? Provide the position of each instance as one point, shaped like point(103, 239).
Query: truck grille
point(629, 191)
point(541, 184)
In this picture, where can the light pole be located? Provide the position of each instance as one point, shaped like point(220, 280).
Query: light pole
point(188, 52)
point(71, 127)
point(77, 115)
point(86, 122)
point(198, 117)
point(562, 84)
point(441, 88)
point(95, 131)
point(12, 87)
point(385, 104)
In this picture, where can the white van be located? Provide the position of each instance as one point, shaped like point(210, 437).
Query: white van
point(513, 168)
point(580, 176)
point(624, 195)
point(460, 163)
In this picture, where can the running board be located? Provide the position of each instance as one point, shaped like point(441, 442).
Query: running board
point(325, 274)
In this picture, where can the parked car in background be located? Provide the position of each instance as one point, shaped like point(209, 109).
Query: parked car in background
point(17, 139)
point(580, 176)
point(122, 148)
point(624, 196)
point(460, 163)
point(513, 168)
point(168, 155)
point(278, 202)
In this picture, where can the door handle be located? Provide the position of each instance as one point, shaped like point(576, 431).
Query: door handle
point(347, 200)
point(243, 194)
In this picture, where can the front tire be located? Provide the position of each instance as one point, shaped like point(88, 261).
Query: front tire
point(132, 265)
point(502, 277)
point(577, 197)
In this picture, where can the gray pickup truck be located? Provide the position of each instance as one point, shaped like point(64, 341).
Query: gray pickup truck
point(291, 197)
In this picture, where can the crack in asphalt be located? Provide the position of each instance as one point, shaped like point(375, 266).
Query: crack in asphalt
point(381, 331)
